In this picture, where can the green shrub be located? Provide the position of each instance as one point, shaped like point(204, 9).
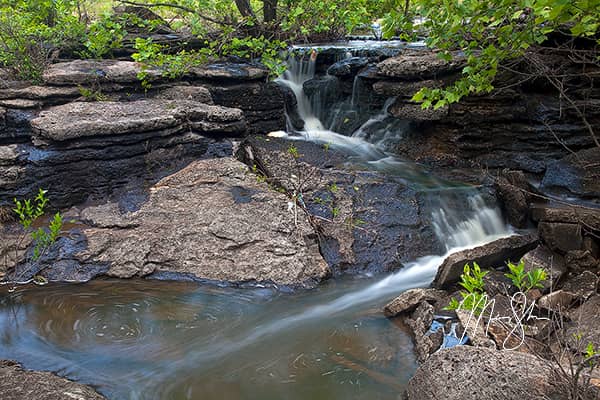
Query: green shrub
point(525, 281)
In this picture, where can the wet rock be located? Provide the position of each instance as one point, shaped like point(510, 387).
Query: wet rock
point(561, 237)
point(578, 173)
point(2, 118)
point(419, 64)
point(410, 299)
point(211, 221)
point(77, 120)
point(554, 265)
point(493, 254)
point(419, 322)
point(262, 103)
point(93, 72)
point(348, 67)
point(414, 112)
point(466, 372)
point(583, 285)
point(194, 93)
point(17, 384)
point(378, 223)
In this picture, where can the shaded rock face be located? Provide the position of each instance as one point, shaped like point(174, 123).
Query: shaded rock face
point(210, 221)
point(493, 254)
point(81, 149)
point(17, 384)
point(366, 223)
point(577, 174)
point(512, 128)
point(466, 372)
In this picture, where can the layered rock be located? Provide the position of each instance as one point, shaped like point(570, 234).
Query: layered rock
point(86, 148)
point(92, 124)
point(210, 221)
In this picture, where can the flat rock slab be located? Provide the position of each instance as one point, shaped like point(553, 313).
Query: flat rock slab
point(39, 92)
point(493, 254)
point(19, 384)
point(85, 72)
point(212, 221)
point(466, 372)
point(84, 119)
point(418, 64)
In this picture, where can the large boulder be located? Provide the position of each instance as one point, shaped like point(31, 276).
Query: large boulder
point(466, 372)
point(212, 221)
point(78, 120)
point(490, 255)
point(18, 384)
point(93, 72)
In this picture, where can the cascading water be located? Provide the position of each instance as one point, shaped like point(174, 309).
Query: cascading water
point(150, 341)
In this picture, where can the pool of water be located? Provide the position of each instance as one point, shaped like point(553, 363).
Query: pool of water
point(165, 340)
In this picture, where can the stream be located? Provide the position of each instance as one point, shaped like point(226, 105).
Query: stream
point(142, 339)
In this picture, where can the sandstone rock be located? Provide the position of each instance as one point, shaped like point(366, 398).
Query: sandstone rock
point(583, 286)
point(576, 173)
point(20, 103)
point(414, 112)
point(559, 300)
point(571, 215)
point(513, 189)
point(581, 261)
point(466, 372)
point(490, 255)
point(229, 71)
point(561, 237)
point(419, 64)
point(17, 384)
point(194, 93)
point(552, 263)
point(348, 66)
point(475, 329)
point(586, 320)
point(403, 88)
point(40, 93)
point(211, 221)
point(77, 120)
point(410, 299)
point(86, 72)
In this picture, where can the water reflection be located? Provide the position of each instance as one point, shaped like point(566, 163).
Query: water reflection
point(157, 340)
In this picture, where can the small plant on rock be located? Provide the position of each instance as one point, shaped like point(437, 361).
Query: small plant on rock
point(525, 281)
point(28, 212)
point(474, 297)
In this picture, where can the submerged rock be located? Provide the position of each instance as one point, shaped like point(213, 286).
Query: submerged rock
point(465, 372)
point(18, 384)
point(212, 221)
